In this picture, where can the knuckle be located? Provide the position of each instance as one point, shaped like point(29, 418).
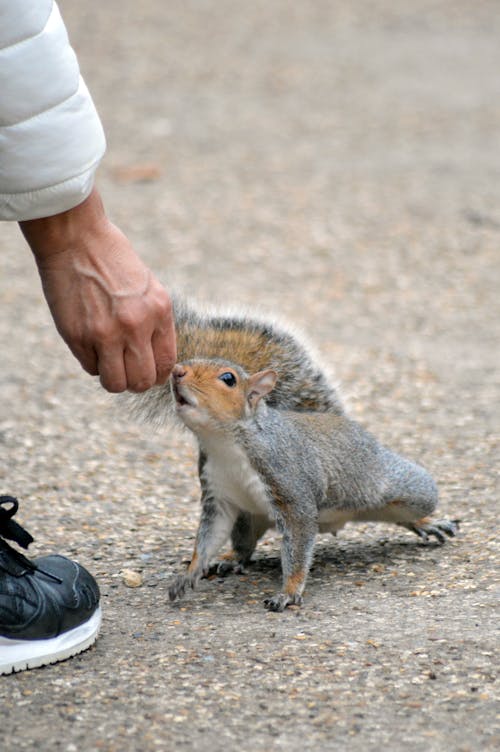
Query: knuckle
point(129, 320)
point(165, 357)
point(167, 307)
point(141, 386)
point(112, 384)
point(100, 333)
point(164, 368)
point(164, 305)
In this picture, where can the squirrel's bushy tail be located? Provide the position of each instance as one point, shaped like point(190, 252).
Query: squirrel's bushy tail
point(252, 343)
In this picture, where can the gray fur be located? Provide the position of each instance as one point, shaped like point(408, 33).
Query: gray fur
point(334, 460)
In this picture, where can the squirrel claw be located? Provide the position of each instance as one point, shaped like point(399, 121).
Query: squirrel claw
point(281, 600)
point(178, 588)
point(224, 568)
point(439, 529)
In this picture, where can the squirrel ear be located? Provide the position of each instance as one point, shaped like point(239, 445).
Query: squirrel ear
point(259, 385)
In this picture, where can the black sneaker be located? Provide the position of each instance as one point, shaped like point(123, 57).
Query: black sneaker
point(49, 607)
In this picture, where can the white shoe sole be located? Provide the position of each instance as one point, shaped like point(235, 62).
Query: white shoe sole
point(18, 655)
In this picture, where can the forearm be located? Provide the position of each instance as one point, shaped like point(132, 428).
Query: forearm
point(67, 230)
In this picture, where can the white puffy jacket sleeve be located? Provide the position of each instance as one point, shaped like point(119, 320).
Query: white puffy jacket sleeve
point(51, 138)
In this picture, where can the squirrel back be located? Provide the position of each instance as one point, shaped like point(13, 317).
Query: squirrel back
point(255, 345)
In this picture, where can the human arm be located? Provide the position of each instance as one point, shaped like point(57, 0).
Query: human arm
point(108, 307)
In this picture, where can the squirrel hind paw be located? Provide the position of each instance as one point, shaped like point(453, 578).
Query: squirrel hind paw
point(439, 529)
point(227, 567)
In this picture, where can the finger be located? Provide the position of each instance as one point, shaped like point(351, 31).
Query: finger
point(111, 368)
point(87, 358)
point(164, 352)
point(140, 367)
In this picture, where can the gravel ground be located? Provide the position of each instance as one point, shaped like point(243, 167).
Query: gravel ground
point(336, 164)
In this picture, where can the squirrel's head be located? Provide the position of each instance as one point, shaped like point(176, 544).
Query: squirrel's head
point(212, 394)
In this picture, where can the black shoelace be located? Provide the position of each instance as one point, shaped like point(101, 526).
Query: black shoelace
point(13, 531)
point(9, 528)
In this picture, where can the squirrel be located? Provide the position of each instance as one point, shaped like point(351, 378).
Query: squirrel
point(303, 471)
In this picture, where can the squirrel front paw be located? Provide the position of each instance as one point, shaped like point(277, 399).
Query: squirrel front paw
point(178, 587)
point(281, 600)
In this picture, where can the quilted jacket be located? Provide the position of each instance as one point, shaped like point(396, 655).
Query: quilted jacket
point(51, 138)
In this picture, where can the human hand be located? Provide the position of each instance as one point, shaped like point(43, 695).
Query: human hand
point(110, 310)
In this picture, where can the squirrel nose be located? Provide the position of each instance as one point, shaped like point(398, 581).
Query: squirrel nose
point(179, 371)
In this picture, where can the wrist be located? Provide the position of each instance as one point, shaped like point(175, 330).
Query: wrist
point(49, 236)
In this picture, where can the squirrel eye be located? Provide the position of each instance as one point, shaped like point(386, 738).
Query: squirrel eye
point(228, 378)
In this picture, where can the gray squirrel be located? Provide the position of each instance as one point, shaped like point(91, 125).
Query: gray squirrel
point(305, 469)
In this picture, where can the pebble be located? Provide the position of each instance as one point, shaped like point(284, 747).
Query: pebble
point(131, 579)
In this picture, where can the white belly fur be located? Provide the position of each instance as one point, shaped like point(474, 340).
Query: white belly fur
point(331, 520)
point(232, 479)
